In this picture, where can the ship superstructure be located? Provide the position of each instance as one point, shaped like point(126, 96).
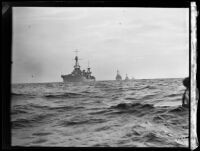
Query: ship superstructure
point(77, 74)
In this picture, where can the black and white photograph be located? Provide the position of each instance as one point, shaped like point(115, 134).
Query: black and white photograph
point(100, 77)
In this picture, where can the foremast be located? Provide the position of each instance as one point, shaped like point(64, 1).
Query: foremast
point(77, 67)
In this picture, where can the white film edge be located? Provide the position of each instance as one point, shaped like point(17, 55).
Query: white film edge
point(193, 91)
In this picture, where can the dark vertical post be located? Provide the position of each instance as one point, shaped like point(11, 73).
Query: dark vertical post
point(6, 73)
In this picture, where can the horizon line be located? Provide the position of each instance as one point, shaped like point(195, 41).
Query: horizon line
point(97, 80)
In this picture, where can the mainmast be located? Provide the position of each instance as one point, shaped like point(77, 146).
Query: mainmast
point(88, 70)
point(88, 66)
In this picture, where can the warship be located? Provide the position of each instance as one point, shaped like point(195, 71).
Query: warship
point(126, 79)
point(118, 76)
point(77, 74)
point(132, 78)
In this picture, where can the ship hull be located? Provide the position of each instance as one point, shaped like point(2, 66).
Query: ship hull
point(69, 78)
point(118, 79)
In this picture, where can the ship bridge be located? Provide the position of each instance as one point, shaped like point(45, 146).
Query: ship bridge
point(76, 63)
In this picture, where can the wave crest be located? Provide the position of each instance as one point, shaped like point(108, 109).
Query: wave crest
point(64, 95)
point(133, 105)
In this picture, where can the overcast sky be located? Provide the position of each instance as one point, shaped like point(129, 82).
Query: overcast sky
point(141, 42)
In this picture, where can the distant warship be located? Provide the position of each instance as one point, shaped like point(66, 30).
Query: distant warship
point(126, 79)
point(77, 75)
point(132, 78)
point(118, 76)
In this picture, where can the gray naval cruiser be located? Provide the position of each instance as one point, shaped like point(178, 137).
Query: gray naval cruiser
point(126, 79)
point(77, 75)
point(118, 76)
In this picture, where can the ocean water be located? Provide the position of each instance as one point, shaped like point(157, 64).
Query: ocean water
point(139, 113)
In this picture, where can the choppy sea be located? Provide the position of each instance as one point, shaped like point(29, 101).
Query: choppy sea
point(139, 113)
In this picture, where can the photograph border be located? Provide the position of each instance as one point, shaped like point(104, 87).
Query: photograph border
point(6, 58)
